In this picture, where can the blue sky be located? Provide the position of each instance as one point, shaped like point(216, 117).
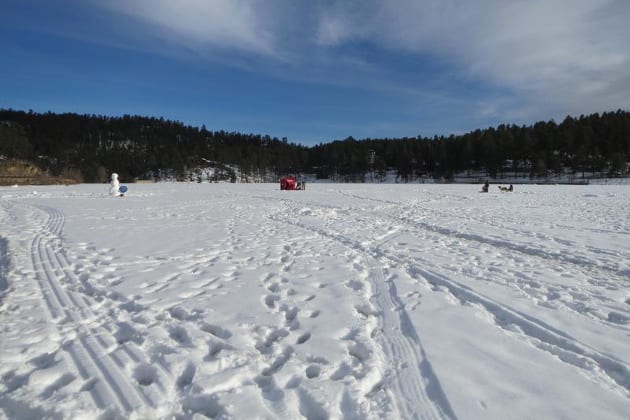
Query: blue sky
point(319, 70)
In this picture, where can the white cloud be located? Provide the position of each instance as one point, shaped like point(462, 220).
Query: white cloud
point(553, 56)
point(233, 24)
point(559, 54)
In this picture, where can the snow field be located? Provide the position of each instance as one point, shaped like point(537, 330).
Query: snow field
point(342, 301)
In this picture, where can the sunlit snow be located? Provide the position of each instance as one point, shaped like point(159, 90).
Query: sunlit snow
point(342, 301)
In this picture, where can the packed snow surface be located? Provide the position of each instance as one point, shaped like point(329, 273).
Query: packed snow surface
point(342, 301)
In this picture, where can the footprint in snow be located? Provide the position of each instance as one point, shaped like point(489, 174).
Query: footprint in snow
point(145, 374)
point(303, 338)
point(180, 335)
point(312, 371)
point(185, 378)
point(216, 330)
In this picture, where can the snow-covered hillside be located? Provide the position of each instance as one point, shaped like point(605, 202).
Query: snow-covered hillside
point(342, 301)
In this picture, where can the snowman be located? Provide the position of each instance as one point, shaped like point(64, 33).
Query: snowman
point(114, 185)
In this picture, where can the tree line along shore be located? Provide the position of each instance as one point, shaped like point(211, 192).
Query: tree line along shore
point(66, 148)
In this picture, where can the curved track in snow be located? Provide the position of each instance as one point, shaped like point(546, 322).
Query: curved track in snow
point(411, 383)
point(610, 372)
point(343, 301)
point(110, 365)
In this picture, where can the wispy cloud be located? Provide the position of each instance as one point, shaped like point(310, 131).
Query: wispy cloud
point(555, 53)
point(552, 56)
point(233, 24)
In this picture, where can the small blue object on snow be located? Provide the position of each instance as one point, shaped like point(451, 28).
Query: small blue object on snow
point(123, 189)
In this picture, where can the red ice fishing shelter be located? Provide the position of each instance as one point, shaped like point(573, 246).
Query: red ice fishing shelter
point(288, 183)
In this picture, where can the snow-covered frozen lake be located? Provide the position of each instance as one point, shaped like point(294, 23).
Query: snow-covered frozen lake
point(342, 301)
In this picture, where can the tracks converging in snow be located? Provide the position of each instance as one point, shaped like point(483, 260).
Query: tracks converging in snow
point(594, 274)
point(344, 301)
point(409, 380)
point(108, 367)
point(602, 368)
point(607, 370)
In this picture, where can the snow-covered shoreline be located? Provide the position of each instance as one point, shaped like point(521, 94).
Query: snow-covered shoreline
point(341, 301)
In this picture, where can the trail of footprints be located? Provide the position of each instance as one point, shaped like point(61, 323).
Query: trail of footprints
point(111, 363)
point(569, 297)
point(366, 384)
point(114, 361)
point(390, 332)
point(609, 372)
point(278, 345)
point(559, 296)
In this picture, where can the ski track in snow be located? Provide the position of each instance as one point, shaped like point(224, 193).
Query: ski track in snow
point(604, 369)
point(100, 359)
point(151, 354)
point(597, 274)
point(417, 392)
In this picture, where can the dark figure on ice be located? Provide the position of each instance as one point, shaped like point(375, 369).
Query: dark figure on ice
point(485, 187)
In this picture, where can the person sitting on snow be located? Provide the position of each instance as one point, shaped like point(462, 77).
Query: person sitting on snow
point(485, 187)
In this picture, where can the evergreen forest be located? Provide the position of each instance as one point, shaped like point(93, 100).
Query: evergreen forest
point(136, 147)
